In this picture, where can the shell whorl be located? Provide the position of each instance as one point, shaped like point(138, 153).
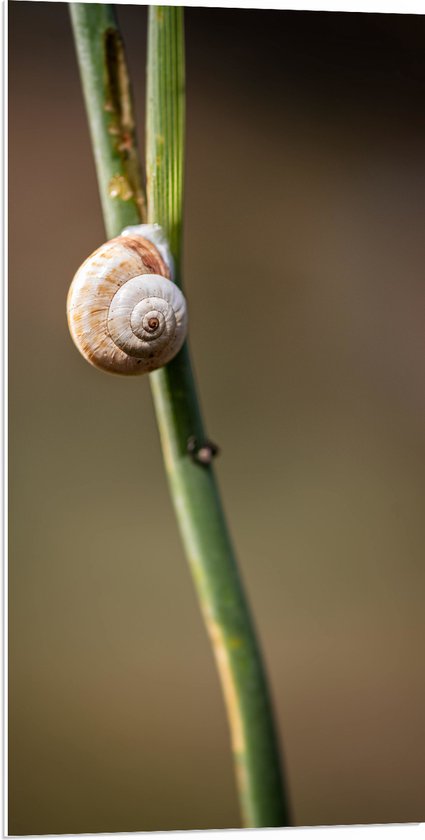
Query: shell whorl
point(125, 314)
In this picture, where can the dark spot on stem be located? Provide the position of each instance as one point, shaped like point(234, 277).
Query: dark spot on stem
point(113, 47)
point(202, 453)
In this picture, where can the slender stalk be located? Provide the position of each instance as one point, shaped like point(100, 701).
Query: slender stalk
point(107, 94)
point(193, 487)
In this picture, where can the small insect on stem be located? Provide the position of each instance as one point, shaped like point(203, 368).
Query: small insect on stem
point(202, 453)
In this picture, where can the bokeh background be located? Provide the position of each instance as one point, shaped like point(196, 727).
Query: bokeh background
point(305, 212)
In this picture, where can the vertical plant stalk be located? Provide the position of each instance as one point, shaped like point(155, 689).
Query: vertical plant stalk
point(107, 95)
point(193, 487)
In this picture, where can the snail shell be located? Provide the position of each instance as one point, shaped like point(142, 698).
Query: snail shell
point(125, 314)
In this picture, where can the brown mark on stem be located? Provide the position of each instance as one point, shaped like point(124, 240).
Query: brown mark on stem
point(231, 697)
point(229, 688)
point(118, 104)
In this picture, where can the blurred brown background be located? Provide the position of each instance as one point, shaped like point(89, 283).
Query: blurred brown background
point(305, 210)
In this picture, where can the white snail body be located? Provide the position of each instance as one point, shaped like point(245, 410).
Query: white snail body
point(125, 314)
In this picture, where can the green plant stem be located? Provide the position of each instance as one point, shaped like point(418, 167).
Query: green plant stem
point(193, 487)
point(107, 95)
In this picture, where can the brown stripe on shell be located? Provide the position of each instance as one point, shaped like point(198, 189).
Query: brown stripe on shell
point(148, 253)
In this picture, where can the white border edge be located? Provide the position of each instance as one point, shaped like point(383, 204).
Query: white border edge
point(347, 832)
point(4, 438)
point(388, 7)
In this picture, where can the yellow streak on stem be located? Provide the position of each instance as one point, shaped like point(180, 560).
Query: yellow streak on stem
point(228, 683)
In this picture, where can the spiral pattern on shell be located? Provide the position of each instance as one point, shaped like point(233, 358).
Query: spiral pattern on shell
point(125, 314)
